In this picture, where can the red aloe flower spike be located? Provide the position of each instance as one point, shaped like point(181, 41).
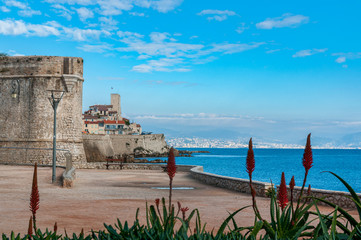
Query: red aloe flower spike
point(55, 227)
point(157, 202)
point(307, 155)
point(184, 210)
point(282, 193)
point(30, 228)
point(292, 183)
point(171, 168)
point(250, 160)
point(34, 197)
point(179, 205)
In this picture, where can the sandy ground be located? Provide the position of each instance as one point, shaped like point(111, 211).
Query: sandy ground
point(102, 196)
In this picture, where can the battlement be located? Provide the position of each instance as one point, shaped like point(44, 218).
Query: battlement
point(40, 66)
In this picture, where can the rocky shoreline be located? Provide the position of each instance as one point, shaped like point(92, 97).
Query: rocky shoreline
point(140, 155)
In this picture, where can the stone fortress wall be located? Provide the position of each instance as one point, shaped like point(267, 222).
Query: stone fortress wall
point(98, 147)
point(27, 120)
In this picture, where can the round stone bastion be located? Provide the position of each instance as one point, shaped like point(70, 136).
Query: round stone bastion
point(26, 112)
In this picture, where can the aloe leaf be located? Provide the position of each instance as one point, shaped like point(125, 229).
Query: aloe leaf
point(348, 217)
point(322, 223)
point(225, 222)
point(352, 192)
point(257, 227)
point(334, 221)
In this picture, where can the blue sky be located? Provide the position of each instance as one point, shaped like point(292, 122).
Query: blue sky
point(274, 69)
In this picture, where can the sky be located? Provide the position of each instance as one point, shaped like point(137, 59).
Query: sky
point(274, 70)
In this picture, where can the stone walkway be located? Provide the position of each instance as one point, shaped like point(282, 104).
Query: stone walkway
point(102, 196)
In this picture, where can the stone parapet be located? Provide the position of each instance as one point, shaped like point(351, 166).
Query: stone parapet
point(236, 184)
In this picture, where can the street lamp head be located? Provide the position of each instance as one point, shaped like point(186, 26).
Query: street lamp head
point(55, 97)
point(15, 85)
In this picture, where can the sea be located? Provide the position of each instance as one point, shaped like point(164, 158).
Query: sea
point(270, 163)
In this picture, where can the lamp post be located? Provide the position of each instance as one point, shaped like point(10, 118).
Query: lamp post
point(56, 96)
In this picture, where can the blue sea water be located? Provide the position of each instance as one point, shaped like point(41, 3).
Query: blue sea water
point(270, 163)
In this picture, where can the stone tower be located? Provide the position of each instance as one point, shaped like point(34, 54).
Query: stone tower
point(115, 101)
point(26, 115)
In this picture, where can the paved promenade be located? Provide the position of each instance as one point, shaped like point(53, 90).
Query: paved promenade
point(102, 196)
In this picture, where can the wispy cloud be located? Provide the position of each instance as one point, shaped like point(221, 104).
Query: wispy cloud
point(164, 53)
point(62, 11)
point(117, 7)
point(84, 13)
point(308, 52)
point(17, 4)
point(25, 11)
point(286, 20)
point(342, 57)
point(273, 51)
point(162, 6)
point(95, 48)
point(13, 27)
point(241, 28)
point(137, 14)
point(72, 2)
point(170, 83)
point(52, 28)
point(4, 9)
point(218, 15)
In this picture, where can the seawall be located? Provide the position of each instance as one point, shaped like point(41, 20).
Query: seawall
point(339, 198)
point(98, 147)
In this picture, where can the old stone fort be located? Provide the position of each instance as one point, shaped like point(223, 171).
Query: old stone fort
point(27, 117)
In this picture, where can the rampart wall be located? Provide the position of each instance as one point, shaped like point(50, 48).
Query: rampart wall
point(98, 147)
point(26, 121)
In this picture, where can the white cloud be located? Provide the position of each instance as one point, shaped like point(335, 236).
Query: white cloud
point(83, 34)
point(25, 11)
point(84, 13)
point(108, 23)
point(73, 2)
point(158, 37)
point(19, 27)
point(136, 14)
point(273, 50)
point(164, 53)
point(131, 35)
point(161, 65)
point(218, 15)
point(29, 12)
point(117, 7)
point(228, 48)
point(62, 11)
point(345, 56)
point(286, 20)
point(241, 28)
point(14, 53)
point(308, 52)
point(114, 7)
point(159, 5)
point(340, 60)
point(17, 4)
point(12, 27)
point(4, 9)
point(95, 48)
point(178, 83)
